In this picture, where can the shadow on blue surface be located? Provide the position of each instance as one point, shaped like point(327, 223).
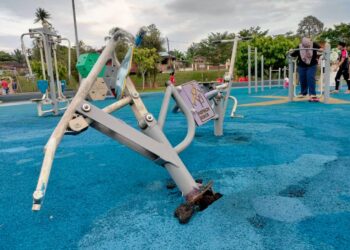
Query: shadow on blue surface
point(283, 171)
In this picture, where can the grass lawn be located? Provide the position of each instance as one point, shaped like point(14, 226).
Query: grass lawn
point(181, 77)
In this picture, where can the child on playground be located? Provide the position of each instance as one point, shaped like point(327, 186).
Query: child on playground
point(5, 87)
point(286, 83)
point(342, 69)
point(172, 78)
point(307, 67)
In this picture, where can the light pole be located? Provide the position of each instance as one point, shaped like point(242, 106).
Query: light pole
point(169, 57)
point(76, 34)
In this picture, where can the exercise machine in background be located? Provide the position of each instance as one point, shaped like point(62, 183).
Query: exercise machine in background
point(52, 87)
point(208, 100)
point(325, 65)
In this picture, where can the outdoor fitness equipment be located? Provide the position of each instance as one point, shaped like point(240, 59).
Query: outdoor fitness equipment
point(99, 90)
point(150, 142)
point(256, 80)
point(208, 101)
point(52, 89)
point(325, 59)
point(279, 80)
point(220, 94)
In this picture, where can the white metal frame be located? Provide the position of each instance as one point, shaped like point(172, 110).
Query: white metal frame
point(47, 40)
point(150, 141)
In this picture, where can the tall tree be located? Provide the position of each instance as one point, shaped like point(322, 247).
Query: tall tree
point(18, 56)
point(340, 32)
point(122, 45)
point(272, 48)
point(153, 38)
point(215, 53)
point(146, 60)
point(5, 57)
point(310, 26)
point(42, 15)
point(253, 32)
point(179, 55)
point(191, 52)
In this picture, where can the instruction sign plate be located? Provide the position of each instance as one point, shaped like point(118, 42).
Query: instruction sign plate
point(195, 100)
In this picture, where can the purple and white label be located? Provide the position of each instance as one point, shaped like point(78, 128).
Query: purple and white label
point(195, 100)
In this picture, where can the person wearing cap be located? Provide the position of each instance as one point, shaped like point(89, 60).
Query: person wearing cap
point(342, 69)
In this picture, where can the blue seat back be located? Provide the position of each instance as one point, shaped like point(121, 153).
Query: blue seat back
point(42, 85)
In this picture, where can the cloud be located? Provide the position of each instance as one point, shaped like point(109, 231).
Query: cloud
point(182, 21)
point(203, 7)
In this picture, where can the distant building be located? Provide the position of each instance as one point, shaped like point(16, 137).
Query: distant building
point(167, 62)
point(201, 63)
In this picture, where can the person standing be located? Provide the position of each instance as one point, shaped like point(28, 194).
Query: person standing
point(342, 69)
point(307, 60)
point(14, 86)
point(172, 78)
point(5, 87)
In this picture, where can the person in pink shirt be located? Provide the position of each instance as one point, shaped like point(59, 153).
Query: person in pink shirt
point(342, 69)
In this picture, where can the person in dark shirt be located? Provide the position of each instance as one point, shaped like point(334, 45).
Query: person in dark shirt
point(342, 69)
point(307, 60)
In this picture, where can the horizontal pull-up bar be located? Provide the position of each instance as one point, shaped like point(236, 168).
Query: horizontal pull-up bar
point(299, 49)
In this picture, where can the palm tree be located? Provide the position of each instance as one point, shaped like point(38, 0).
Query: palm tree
point(18, 56)
point(42, 15)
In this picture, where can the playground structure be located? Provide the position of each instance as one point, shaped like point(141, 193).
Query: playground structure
point(100, 89)
point(209, 100)
point(256, 76)
point(325, 72)
point(150, 142)
point(279, 80)
point(52, 89)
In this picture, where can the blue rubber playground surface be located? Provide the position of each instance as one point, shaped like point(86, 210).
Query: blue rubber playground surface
point(283, 170)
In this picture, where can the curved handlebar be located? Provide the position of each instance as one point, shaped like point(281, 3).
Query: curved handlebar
point(191, 126)
point(25, 53)
point(299, 49)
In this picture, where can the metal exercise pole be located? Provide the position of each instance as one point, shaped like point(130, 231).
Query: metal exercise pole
point(222, 106)
point(321, 80)
point(231, 70)
point(291, 79)
point(24, 51)
point(48, 56)
point(60, 129)
point(249, 70)
point(58, 82)
point(262, 73)
point(40, 45)
point(279, 77)
point(327, 73)
point(270, 77)
point(77, 49)
point(256, 69)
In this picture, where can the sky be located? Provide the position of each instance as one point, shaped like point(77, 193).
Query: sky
point(182, 21)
